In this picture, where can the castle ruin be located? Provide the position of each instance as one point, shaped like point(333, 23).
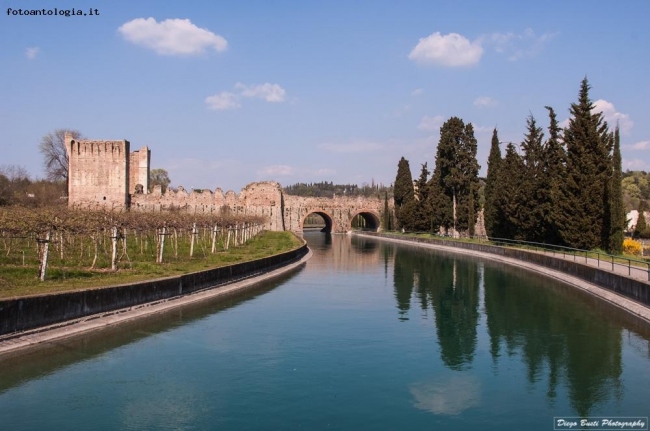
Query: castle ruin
point(106, 174)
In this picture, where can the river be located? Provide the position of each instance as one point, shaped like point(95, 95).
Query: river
point(368, 335)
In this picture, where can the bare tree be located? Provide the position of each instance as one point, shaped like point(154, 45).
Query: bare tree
point(55, 155)
point(159, 177)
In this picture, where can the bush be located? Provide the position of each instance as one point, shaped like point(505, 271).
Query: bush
point(632, 247)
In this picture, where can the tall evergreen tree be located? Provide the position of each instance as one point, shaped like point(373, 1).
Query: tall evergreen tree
point(510, 196)
point(491, 211)
point(403, 191)
point(617, 205)
point(531, 222)
point(422, 216)
point(456, 175)
point(386, 221)
point(553, 174)
point(583, 192)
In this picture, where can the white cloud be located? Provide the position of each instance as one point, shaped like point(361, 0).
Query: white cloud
point(643, 145)
point(222, 101)
point(171, 36)
point(485, 102)
point(269, 92)
point(431, 123)
point(516, 45)
point(417, 92)
point(612, 117)
point(449, 50)
point(351, 147)
point(277, 170)
point(32, 52)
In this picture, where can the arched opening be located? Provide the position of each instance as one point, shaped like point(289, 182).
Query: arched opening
point(317, 221)
point(365, 221)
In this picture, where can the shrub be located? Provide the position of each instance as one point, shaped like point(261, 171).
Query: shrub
point(632, 247)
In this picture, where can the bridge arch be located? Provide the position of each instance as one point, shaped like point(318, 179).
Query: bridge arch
point(329, 223)
point(371, 219)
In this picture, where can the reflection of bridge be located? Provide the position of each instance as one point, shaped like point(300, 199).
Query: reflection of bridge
point(283, 212)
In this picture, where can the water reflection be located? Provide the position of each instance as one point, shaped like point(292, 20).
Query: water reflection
point(570, 342)
point(450, 287)
point(449, 396)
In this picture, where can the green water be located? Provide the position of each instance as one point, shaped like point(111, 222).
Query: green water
point(366, 336)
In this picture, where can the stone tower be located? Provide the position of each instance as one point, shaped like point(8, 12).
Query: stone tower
point(105, 173)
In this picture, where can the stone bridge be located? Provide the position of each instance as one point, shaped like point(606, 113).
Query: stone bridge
point(266, 199)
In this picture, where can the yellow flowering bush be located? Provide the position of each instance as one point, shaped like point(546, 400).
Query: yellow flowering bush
point(632, 247)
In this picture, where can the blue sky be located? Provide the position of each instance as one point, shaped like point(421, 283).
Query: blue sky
point(226, 93)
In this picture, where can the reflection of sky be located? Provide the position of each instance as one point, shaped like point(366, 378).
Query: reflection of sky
point(447, 395)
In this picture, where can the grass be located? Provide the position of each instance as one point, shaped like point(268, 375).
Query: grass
point(21, 280)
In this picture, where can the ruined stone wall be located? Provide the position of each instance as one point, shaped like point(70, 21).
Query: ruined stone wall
point(139, 169)
point(258, 199)
point(265, 199)
point(98, 172)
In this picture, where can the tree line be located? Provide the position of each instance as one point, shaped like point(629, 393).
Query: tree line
point(564, 190)
point(325, 189)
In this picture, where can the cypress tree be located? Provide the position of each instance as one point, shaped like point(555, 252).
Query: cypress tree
point(510, 197)
point(532, 196)
point(553, 174)
point(455, 176)
point(403, 191)
point(422, 216)
point(583, 192)
point(618, 215)
point(492, 187)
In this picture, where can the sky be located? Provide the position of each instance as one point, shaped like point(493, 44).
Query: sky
point(226, 93)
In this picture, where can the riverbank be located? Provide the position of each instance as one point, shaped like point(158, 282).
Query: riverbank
point(175, 291)
point(605, 285)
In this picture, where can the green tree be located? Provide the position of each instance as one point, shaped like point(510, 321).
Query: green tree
point(422, 216)
point(617, 210)
point(55, 154)
point(159, 177)
point(553, 174)
point(583, 192)
point(403, 191)
point(510, 195)
point(533, 196)
point(491, 211)
point(456, 175)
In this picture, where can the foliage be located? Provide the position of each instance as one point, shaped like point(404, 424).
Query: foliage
point(329, 189)
point(583, 202)
point(553, 172)
point(404, 194)
point(618, 222)
point(492, 211)
point(636, 188)
point(159, 177)
point(55, 154)
point(17, 188)
point(456, 175)
point(632, 247)
point(641, 228)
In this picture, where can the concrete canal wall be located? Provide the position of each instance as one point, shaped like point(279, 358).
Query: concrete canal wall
point(628, 287)
point(30, 312)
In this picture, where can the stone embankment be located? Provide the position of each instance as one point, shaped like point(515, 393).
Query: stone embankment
point(626, 292)
point(27, 313)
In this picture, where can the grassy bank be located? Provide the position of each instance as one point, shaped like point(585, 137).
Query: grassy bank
point(21, 280)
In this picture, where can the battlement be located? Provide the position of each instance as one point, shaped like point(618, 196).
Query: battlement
point(104, 172)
